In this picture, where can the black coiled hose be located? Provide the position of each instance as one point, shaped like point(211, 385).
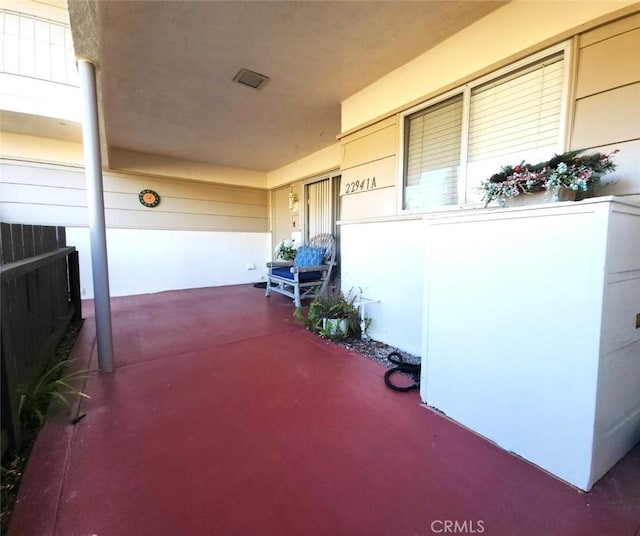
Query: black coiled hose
point(402, 366)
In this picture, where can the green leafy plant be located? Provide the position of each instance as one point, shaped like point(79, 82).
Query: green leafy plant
point(285, 250)
point(331, 305)
point(570, 170)
point(53, 386)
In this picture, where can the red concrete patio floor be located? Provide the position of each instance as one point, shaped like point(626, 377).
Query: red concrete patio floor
point(224, 416)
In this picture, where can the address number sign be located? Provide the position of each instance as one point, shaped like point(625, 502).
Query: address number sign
point(360, 185)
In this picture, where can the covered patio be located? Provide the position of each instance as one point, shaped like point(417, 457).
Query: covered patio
point(224, 416)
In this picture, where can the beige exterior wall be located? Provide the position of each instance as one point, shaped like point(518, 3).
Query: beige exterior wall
point(607, 109)
point(369, 171)
point(315, 164)
point(285, 222)
point(54, 194)
point(507, 33)
point(606, 114)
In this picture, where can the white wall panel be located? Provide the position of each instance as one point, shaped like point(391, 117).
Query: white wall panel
point(386, 261)
point(380, 202)
point(146, 261)
point(618, 416)
point(529, 334)
point(618, 409)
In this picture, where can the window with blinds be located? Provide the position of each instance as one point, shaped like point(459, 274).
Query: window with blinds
point(452, 146)
point(433, 155)
point(514, 118)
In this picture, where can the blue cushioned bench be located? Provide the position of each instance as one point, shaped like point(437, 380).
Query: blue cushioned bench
point(308, 274)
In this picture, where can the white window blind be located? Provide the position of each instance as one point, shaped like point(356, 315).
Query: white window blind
point(319, 208)
point(451, 147)
point(433, 139)
point(516, 113)
point(514, 118)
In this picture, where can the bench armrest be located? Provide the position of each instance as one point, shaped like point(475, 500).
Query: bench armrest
point(279, 264)
point(299, 269)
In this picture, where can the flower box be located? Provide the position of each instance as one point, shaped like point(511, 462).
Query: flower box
point(558, 179)
point(541, 197)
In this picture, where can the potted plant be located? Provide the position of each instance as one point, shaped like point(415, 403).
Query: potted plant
point(568, 172)
point(285, 250)
point(331, 315)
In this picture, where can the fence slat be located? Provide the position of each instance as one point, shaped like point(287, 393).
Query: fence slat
point(27, 241)
point(62, 237)
point(6, 250)
point(10, 418)
point(38, 246)
point(16, 242)
point(73, 263)
point(20, 324)
point(49, 239)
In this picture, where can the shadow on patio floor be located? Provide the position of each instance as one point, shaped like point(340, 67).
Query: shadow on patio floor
point(224, 416)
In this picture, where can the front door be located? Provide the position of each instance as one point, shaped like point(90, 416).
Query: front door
point(322, 209)
point(322, 206)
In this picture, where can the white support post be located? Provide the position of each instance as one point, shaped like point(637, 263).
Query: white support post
point(95, 206)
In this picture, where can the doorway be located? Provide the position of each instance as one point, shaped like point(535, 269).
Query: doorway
point(322, 206)
point(322, 209)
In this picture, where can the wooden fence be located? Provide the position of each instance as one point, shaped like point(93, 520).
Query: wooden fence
point(40, 296)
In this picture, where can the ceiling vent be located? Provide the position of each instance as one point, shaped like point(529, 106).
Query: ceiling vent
point(250, 78)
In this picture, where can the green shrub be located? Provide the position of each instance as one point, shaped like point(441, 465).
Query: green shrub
point(330, 305)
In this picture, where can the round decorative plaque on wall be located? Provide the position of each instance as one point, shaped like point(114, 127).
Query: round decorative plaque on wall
point(149, 198)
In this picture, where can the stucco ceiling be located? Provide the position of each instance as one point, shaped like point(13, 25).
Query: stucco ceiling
point(167, 68)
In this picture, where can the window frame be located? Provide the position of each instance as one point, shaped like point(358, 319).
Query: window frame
point(567, 48)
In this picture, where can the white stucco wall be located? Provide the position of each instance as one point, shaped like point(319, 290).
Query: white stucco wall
point(518, 341)
point(146, 261)
point(385, 261)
